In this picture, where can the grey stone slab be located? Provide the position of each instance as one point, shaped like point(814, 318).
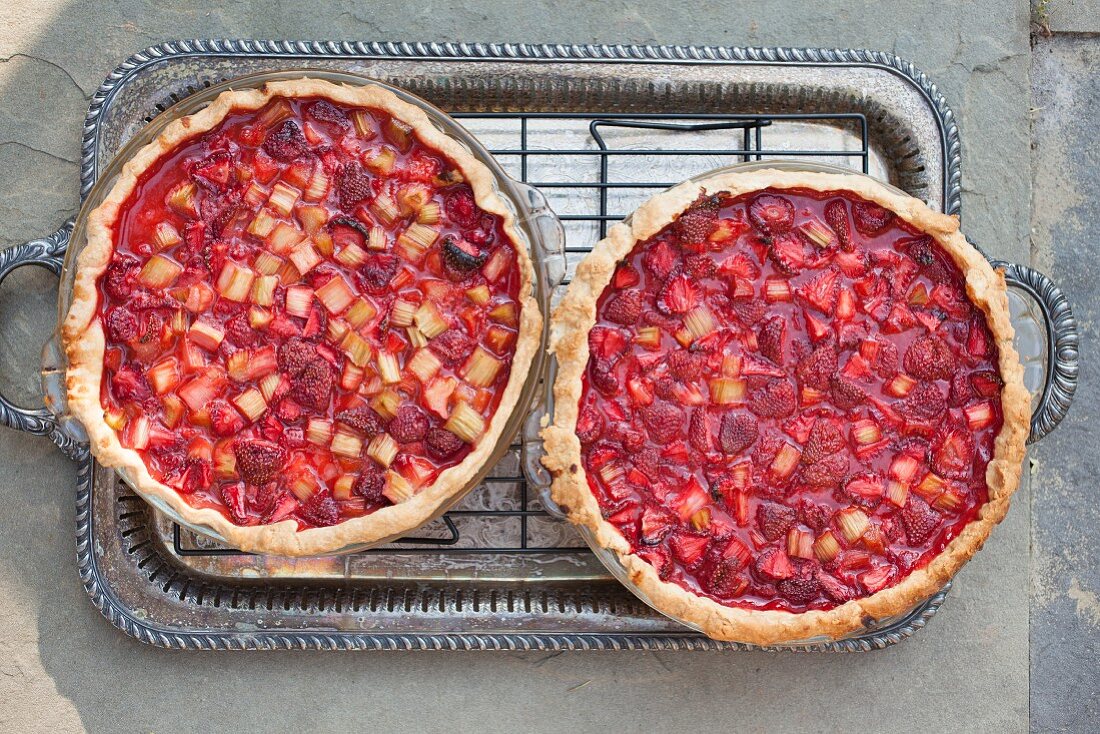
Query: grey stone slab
point(65, 669)
point(1065, 607)
point(1068, 16)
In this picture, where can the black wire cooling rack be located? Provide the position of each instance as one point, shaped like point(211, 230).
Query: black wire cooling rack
point(604, 172)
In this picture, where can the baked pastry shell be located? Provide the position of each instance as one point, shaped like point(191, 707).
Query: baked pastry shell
point(527, 220)
point(575, 315)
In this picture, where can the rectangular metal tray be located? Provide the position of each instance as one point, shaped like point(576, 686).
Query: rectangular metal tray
point(499, 573)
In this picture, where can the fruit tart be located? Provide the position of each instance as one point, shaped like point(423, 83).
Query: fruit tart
point(302, 318)
point(787, 402)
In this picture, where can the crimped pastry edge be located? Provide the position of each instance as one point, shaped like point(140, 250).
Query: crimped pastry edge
point(575, 316)
point(83, 337)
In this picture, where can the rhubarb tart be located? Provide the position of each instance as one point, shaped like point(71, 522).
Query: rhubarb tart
point(302, 318)
point(787, 403)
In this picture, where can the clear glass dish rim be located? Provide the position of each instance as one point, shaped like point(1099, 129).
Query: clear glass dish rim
point(546, 406)
point(518, 196)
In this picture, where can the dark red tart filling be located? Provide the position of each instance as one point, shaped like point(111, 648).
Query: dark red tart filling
point(790, 401)
point(307, 315)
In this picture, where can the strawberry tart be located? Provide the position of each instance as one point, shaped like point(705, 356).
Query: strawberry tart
point(788, 402)
point(302, 318)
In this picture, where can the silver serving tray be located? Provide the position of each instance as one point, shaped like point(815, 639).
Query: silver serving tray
point(508, 575)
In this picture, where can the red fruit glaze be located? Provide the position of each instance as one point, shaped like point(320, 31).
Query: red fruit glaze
point(785, 417)
point(324, 354)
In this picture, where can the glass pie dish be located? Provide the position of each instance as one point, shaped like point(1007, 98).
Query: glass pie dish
point(1033, 348)
point(536, 228)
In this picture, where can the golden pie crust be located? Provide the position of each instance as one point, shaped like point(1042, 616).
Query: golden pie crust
point(576, 314)
point(83, 335)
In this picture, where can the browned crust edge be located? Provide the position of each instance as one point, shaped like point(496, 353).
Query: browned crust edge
point(575, 316)
point(84, 340)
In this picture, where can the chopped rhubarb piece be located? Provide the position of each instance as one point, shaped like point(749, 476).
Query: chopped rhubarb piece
point(481, 368)
point(897, 493)
point(206, 335)
point(305, 257)
point(852, 522)
point(466, 423)
point(299, 300)
point(397, 488)
point(784, 463)
point(282, 238)
point(429, 321)
point(800, 543)
point(251, 403)
point(335, 295)
point(905, 468)
point(201, 390)
point(383, 449)
point(159, 272)
point(979, 415)
point(826, 547)
point(319, 431)
point(235, 282)
point(727, 391)
point(777, 290)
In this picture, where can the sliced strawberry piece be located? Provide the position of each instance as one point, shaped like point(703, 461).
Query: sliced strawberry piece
point(409, 425)
point(452, 346)
point(986, 383)
point(699, 434)
point(625, 277)
point(313, 386)
point(818, 368)
point(224, 419)
point(870, 218)
point(685, 366)
point(679, 295)
point(739, 265)
point(836, 216)
point(625, 308)
point(846, 394)
point(919, 520)
point(606, 344)
point(688, 548)
point(877, 579)
point(803, 585)
point(443, 444)
point(771, 338)
point(258, 461)
point(774, 520)
point(663, 421)
point(775, 399)
point(774, 564)
point(660, 260)
point(771, 214)
point(215, 171)
point(924, 402)
point(286, 142)
point(825, 440)
point(233, 495)
point(788, 253)
point(929, 358)
point(655, 524)
point(821, 291)
point(320, 510)
point(953, 453)
point(698, 221)
point(737, 433)
point(590, 425)
point(827, 472)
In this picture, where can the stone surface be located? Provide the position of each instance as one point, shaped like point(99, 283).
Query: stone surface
point(1065, 606)
point(64, 668)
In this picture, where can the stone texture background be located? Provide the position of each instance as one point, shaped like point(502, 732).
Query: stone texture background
point(63, 668)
